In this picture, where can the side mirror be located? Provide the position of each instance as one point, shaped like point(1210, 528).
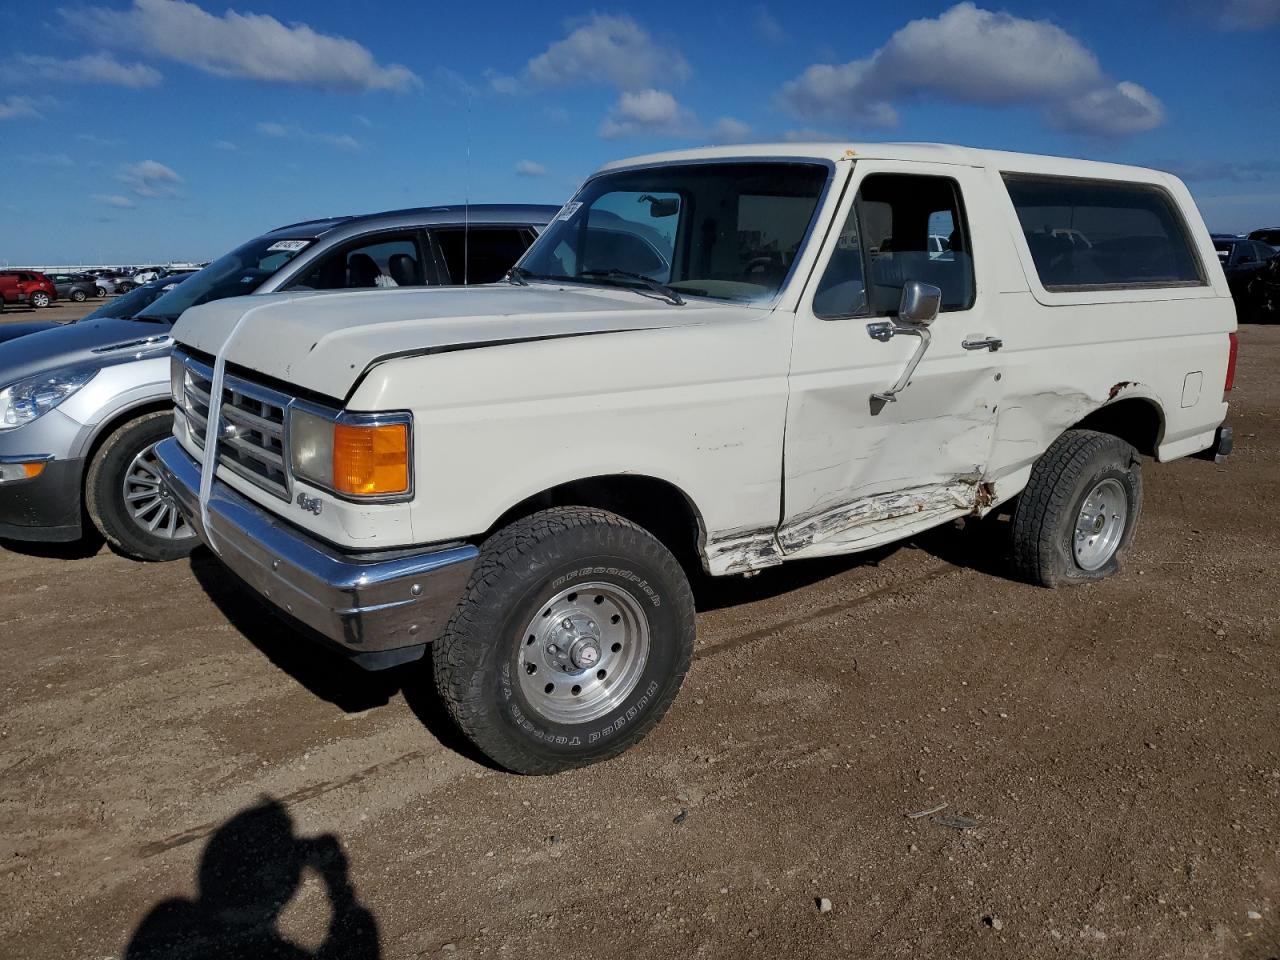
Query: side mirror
point(920, 303)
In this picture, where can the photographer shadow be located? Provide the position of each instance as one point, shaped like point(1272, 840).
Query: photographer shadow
point(251, 868)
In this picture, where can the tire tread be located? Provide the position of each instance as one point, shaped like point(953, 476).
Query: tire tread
point(464, 646)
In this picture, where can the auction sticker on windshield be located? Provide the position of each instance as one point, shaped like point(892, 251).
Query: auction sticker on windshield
point(293, 246)
point(569, 210)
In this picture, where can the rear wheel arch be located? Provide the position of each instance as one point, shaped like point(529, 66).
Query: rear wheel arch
point(1137, 420)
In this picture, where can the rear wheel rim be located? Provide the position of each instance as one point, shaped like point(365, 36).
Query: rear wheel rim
point(40, 300)
point(583, 653)
point(1100, 524)
point(149, 503)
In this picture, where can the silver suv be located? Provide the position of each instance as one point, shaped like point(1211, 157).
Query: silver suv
point(83, 405)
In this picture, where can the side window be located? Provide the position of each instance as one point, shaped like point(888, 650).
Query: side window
point(480, 254)
point(1089, 234)
point(384, 260)
point(1244, 253)
point(902, 227)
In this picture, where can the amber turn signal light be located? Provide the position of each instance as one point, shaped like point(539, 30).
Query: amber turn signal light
point(371, 460)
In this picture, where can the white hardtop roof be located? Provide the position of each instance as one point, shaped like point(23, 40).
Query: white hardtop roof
point(921, 152)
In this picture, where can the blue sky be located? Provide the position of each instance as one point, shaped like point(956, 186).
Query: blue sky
point(136, 130)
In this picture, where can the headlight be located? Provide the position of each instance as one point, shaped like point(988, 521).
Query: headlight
point(352, 455)
point(28, 399)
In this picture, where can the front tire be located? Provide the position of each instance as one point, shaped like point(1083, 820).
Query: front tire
point(572, 641)
point(126, 499)
point(100, 292)
point(78, 296)
point(1076, 518)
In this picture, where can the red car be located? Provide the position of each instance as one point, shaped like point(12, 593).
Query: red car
point(27, 286)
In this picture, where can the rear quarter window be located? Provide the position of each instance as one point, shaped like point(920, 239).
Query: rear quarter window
point(1103, 234)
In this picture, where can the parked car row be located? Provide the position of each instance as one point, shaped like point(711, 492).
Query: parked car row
point(517, 434)
point(28, 287)
point(99, 466)
point(1253, 271)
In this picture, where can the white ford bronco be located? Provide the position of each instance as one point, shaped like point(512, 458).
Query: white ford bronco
point(711, 361)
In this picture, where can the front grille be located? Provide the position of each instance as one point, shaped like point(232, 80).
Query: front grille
point(252, 439)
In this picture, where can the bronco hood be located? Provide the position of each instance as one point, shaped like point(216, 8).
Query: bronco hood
point(324, 342)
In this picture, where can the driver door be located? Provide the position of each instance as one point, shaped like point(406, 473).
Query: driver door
point(861, 471)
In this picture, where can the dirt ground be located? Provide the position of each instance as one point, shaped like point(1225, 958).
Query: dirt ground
point(174, 760)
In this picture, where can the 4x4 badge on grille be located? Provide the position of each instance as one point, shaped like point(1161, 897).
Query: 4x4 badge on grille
point(310, 504)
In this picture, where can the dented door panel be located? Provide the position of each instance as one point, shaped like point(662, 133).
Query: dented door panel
point(858, 472)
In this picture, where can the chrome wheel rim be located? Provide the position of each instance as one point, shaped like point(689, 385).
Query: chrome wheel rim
point(148, 501)
point(40, 300)
point(583, 653)
point(1100, 525)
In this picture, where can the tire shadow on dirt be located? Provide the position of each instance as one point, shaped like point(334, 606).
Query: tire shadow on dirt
point(718, 593)
point(82, 549)
point(981, 544)
point(324, 672)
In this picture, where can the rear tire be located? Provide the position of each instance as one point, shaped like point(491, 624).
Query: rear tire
point(99, 292)
point(125, 499)
point(1076, 518)
point(40, 299)
point(78, 296)
point(572, 641)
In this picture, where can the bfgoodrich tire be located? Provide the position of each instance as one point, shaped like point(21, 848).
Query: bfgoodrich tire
point(1076, 518)
point(124, 496)
point(573, 640)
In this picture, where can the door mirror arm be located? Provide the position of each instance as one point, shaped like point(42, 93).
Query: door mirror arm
point(918, 309)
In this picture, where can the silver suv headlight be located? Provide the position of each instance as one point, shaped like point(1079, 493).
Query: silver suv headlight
point(28, 399)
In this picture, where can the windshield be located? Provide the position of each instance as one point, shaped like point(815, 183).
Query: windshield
point(132, 303)
point(241, 271)
point(730, 231)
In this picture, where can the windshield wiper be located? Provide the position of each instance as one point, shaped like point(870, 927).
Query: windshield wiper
point(517, 276)
point(613, 273)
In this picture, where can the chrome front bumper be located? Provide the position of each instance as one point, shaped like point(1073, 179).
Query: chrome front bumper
point(379, 611)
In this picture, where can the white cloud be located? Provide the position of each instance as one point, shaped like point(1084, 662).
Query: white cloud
point(149, 179)
point(252, 46)
point(648, 112)
point(278, 131)
point(613, 50)
point(811, 135)
point(100, 68)
point(768, 26)
point(1113, 111)
point(225, 145)
point(729, 130)
point(503, 83)
point(97, 141)
point(49, 160)
point(529, 168)
point(11, 108)
point(974, 56)
point(1239, 14)
point(114, 200)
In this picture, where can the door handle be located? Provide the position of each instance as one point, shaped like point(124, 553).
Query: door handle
point(987, 343)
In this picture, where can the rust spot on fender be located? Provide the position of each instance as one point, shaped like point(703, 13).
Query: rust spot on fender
point(985, 496)
point(1122, 385)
